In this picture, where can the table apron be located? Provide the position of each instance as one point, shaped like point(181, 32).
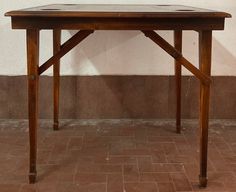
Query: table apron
point(118, 23)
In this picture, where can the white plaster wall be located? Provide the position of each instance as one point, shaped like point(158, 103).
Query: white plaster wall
point(117, 52)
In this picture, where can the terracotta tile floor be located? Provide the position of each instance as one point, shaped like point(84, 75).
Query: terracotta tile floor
point(116, 156)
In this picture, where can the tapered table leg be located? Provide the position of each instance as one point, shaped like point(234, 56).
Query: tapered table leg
point(205, 47)
point(178, 72)
point(33, 78)
point(56, 79)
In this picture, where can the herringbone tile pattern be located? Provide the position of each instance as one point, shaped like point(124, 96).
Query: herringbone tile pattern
point(117, 156)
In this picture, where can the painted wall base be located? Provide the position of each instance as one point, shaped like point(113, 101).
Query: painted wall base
point(117, 97)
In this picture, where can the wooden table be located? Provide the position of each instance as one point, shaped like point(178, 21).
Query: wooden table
point(146, 18)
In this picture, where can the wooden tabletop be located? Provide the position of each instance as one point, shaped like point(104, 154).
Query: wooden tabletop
point(114, 11)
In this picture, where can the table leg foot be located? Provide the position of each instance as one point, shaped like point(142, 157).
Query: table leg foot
point(32, 178)
point(202, 181)
point(56, 126)
point(178, 129)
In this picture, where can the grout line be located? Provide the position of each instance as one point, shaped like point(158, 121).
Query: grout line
point(157, 186)
point(123, 178)
point(106, 182)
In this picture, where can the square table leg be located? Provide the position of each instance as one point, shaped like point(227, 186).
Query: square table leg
point(205, 47)
point(178, 73)
point(56, 78)
point(33, 78)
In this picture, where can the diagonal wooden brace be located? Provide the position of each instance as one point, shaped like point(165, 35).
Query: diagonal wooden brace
point(65, 48)
point(177, 55)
